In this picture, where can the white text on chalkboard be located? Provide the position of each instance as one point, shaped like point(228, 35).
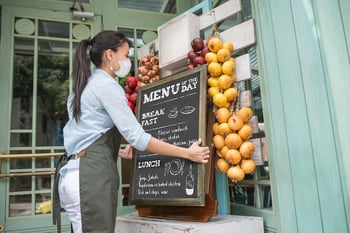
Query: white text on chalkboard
point(147, 164)
point(170, 90)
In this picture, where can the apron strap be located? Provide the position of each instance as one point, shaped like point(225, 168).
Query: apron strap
point(56, 206)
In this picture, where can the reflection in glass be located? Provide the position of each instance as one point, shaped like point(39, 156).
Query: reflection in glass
point(249, 192)
point(43, 203)
point(18, 184)
point(20, 163)
point(50, 47)
point(21, 139)
point(139, 41)
point(266, 196)
point(43, 183)
point(53, 29)
point(53, 83)
point(42, 162)
point(20, 205)
point(129, 33)
point(150, 5)
point(242, 194)
point(22, 92)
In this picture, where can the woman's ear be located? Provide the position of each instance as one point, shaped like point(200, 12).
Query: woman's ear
point(109, 54)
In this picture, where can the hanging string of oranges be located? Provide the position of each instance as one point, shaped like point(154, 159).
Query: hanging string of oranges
point(221, 69)
point(232, 128)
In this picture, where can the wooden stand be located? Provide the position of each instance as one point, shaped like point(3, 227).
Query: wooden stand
point(183, 213)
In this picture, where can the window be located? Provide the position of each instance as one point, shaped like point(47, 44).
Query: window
point(137, 36)
point(161, 6)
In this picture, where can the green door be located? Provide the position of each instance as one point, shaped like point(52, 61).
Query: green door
point(35, 81)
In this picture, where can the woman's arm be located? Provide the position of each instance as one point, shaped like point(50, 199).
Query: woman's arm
point(195, 152)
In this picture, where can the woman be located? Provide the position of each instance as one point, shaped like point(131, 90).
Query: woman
point(98, 117)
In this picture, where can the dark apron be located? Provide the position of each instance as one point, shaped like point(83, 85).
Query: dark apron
point(99, 183)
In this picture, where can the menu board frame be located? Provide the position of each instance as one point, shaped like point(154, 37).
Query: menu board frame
point(148, 185)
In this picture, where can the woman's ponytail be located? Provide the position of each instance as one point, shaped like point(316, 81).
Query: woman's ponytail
point(81, 73)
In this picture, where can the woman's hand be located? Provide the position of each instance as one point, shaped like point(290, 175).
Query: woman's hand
point(126, 153)
point(198, 153)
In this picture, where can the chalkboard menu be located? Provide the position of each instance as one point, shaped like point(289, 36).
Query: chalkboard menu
point(172, 110)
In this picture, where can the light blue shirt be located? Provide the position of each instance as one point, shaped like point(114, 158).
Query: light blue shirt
point(103, 106)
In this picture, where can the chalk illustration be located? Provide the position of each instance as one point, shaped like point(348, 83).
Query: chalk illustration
point(173, 113)
point(189, 182)
point(187, 110)
point(174, 167)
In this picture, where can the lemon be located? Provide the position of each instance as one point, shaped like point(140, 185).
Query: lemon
point(214, 68)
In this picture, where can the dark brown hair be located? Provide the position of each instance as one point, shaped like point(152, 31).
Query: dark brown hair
point(81, 65)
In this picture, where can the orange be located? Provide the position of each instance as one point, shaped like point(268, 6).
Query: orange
point(225, 81)
point(222, 115)
point(219, 141)
point(213, 91)
point(235, 122)
point(228, 45)
point(210, 57)
point(215, 128)
point(248, 166)
point(220, 100)
point(223, 55)
point(223, 151)
point(233, 156)
point(224, 129)
point(227, 67)
point(246, 131)
point(214, 44)
point(214, 68)
point(231, 93)
point(235, 173)
point(227, 105)
point(247, 149)
point(233, 141)
point(222, 165)
point(213, 82)
point(245, 113)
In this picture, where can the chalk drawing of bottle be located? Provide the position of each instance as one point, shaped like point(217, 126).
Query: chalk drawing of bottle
point(189, 182)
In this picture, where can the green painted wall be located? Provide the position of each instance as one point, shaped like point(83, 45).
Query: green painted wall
point(304, 60)
point(304, 54)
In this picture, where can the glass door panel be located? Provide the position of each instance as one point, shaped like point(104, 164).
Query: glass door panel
point(22, 96)
point(52, 92)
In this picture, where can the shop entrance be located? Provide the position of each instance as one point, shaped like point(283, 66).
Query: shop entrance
point(40, 53)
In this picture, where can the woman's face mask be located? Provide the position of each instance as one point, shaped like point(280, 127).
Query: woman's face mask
point(125, 66)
